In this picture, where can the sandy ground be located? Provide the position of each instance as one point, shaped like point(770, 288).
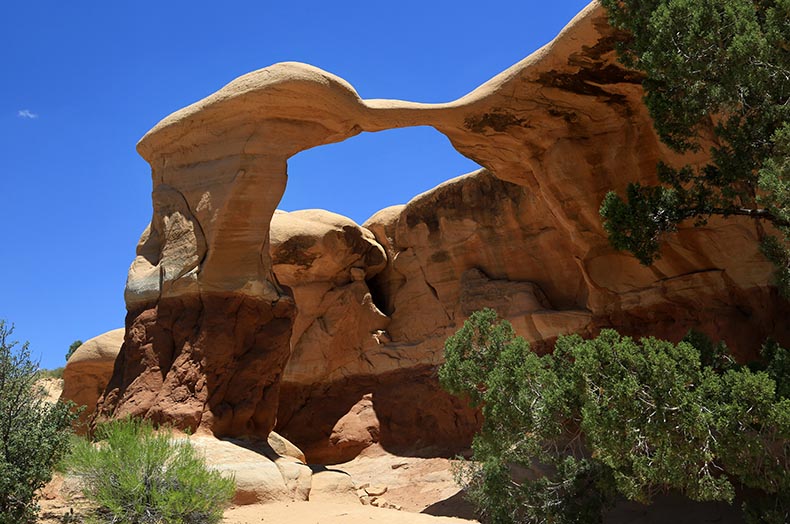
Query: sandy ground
point(313, 512)
point(418, 485)
point(328, 513)
point(422, 488)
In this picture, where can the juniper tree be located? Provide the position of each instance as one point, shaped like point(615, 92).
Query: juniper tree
point(565, 434)
point(720, 65)
point(34, 434)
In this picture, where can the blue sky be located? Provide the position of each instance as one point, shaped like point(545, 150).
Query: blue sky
point(83, 81)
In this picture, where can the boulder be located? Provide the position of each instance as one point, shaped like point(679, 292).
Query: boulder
point(314, 245)
point(263, 475)
point(88, 371)
point(258, 477)
point(332, 485)
point(352, 433)
point(285, 448)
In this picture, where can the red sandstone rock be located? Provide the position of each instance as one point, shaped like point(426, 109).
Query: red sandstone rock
point(353, 432)
point(414, 415)
point(210, 361)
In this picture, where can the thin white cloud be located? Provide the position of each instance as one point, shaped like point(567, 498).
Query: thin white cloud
point(26, 113)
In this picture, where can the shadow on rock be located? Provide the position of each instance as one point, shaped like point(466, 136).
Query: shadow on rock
point(455, 506)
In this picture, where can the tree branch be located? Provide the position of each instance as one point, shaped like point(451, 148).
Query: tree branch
point(762, 214)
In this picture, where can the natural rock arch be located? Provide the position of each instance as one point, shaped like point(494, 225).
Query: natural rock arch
point(208, 325)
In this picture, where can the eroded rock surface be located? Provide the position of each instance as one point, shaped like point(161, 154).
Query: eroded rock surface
point(271, 470)
point(210, 328)
point(88, 371)
point(347, 386)
point(326, 259)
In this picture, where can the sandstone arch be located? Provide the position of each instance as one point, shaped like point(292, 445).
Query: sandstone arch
point(209, 324)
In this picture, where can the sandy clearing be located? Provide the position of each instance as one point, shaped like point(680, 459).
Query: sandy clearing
point(328, 513)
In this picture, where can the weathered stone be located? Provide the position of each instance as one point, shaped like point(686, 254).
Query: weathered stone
point(209, 327)
point(284, 447)
point(211, 361)
point(375, 490)
point(262, 473)
point(314, 245)
point(88, 371)
point(353, 432)
point(333, 485)
point(414, 415)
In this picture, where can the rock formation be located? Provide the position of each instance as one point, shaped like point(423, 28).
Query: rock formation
point(273, 470)
point(347, 385)
point(88, 371)
point(218, 301)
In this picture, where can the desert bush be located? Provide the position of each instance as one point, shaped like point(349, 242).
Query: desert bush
point(34, 434)
point(136, 475)
point(565, 434)
point(51, 373)
point(72, 348)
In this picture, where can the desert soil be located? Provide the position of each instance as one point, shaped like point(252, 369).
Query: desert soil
point(328, 513)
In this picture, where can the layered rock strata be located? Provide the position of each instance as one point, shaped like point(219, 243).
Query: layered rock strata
point(212, 325)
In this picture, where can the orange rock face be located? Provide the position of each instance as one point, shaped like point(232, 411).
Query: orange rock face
point(230, 302)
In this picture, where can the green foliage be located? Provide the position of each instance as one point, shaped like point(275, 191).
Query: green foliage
point(34, 435)
point(721, 65)
point(636, 224)
point(51, 373)
point(774, 182)
point(776, 363)
point(137, 475)
point(72, 348)
point(564, 433)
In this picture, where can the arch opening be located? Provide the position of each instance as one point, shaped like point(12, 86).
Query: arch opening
point(339, 371)
point(371, 171)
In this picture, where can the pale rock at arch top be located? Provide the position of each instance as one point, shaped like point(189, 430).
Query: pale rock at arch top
point(210, 327)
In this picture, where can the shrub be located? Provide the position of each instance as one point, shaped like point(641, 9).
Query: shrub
point(51, 373)
point(72, 348)
point(136, 475)
point(34, 434)
point(564, 434)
